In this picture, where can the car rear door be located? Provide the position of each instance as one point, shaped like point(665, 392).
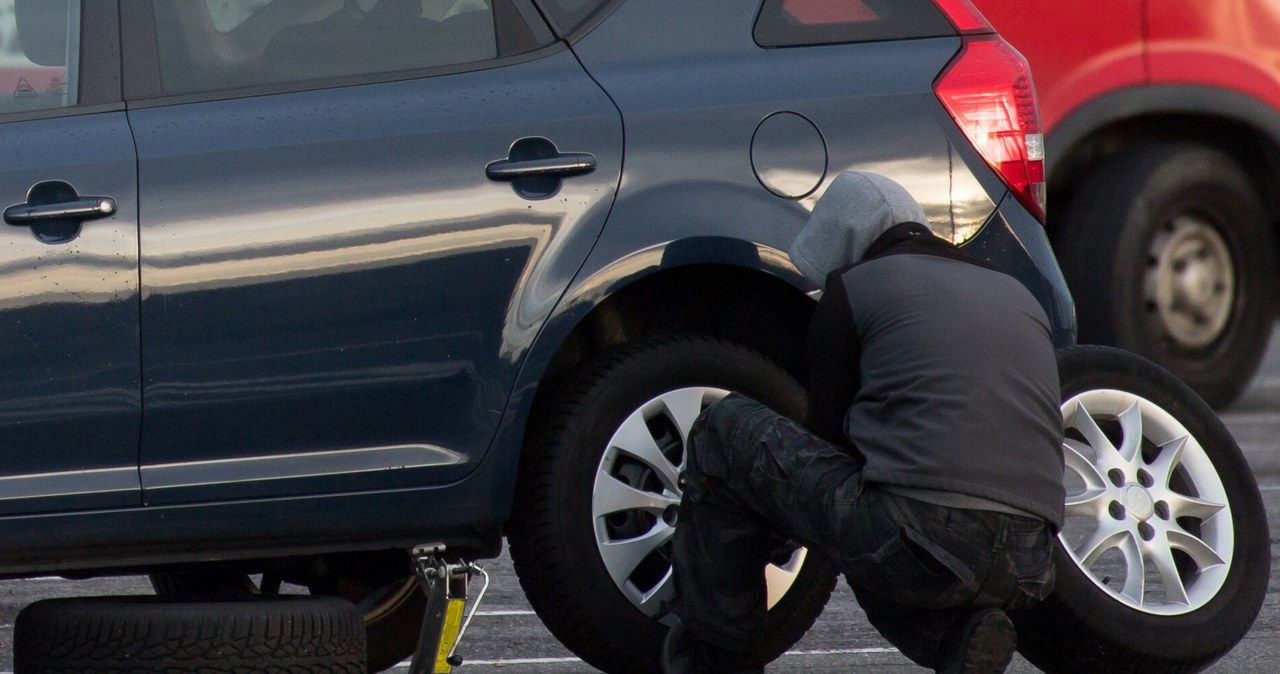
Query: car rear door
point(70, 396)
point(355, 216)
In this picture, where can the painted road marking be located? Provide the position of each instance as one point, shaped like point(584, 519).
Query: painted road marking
point(570, 660)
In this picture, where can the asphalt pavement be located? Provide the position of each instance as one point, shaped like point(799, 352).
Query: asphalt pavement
point(507, 637)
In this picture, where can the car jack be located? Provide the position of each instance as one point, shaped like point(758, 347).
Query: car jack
point(445, 584)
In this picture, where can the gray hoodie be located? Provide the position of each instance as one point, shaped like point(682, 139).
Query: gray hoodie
point(854, 211)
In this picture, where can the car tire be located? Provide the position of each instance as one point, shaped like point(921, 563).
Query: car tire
point(391, 603)
point(1168, 252)
point(558, 531)
point(144, 634)
point(1164, 560)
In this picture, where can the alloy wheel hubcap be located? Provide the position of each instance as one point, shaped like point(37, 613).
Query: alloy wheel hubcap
point(1147, 516)
point(636, 497)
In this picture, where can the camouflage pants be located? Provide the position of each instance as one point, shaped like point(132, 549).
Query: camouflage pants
point(754, 478)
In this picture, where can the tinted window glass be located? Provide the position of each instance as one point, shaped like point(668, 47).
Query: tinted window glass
point(787, 23)
point(567, 15)
point(211, 45)
point(227, 14)
point(37, 42)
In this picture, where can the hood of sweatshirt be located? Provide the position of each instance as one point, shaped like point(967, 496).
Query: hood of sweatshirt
point(854, 211)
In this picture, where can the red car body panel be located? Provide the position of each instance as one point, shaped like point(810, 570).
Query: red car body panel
point(1075, 55)
point(1079, 53)
point(1230, 45)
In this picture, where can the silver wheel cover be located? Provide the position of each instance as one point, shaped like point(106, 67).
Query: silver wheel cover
point(636, 492)
point(1147, 515)
point(1190, 281)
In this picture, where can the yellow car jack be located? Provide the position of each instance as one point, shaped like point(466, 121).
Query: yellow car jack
point(445, 584)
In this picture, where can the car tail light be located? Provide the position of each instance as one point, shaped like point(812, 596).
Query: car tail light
point(987, 88)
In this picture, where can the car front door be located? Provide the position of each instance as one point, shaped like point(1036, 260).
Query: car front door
point(70, 395)
point(355, 215)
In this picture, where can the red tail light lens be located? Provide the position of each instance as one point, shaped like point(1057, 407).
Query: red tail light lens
point(987, 88)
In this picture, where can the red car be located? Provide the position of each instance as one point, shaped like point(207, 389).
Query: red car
point(1163, 159)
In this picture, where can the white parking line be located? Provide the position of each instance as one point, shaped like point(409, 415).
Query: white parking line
point(845, 651)
point(564, 661)
point(507, 663)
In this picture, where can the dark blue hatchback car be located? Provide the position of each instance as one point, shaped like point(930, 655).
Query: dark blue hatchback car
point(290, 286)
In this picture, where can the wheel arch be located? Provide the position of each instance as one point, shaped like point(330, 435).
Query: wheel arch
point(735, 289)
point(749, 306)
point(1242, 127)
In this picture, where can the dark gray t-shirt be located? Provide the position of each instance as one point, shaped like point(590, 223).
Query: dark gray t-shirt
point(956, 381)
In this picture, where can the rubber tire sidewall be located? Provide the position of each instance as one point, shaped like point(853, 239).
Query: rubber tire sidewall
point(1080, 628)
point(1103, 243)
point(552, 538)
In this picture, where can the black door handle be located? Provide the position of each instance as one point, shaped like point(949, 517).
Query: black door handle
point(84, 208)
point(54, 211)
point(536, 168)
point(565, 164)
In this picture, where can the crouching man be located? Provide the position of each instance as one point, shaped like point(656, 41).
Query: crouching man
point(929, 468)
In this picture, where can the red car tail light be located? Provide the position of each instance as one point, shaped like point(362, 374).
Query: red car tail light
point(988, 90)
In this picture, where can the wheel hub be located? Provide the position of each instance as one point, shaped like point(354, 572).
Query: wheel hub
point(1190, 281)
point(1138, 502)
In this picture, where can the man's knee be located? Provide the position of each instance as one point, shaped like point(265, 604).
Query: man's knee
point(717, 436)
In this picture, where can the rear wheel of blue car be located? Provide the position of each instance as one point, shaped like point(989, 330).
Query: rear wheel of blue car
point(596, 504)
point(1164, 558)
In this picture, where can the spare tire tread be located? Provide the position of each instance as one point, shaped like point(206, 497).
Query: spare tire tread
point(142, 634)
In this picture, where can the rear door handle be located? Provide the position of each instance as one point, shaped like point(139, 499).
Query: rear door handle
point(564, 164)
point(536, 168)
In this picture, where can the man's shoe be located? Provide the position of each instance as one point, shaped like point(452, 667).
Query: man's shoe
point(982, 643)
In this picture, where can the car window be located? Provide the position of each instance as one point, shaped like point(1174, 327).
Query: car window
point(789, 23)
point(212, 45)
point(39, 54)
